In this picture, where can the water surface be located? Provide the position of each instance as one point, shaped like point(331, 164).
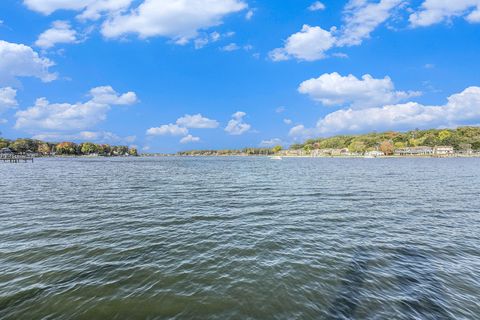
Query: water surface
point(240, 238)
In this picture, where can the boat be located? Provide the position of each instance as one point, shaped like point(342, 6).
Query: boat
point(276, 158)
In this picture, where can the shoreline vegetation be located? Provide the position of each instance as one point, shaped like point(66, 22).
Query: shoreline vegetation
point(460, 142)
point(38, 148)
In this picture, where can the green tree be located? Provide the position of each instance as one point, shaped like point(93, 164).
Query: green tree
point(357, 146)
point(133, 152)
point(399, 145)
point(308, 148)
point(277, 149)
point(24, 145)
point(4, 143)
point(88, 148)
point(444, 135)
point(120, 150)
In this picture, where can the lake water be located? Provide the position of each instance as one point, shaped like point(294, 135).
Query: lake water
point(240, 238)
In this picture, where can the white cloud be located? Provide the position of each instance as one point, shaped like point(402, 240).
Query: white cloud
point(280, 109)
point(60, 32)
point(84, 136)
point(7, 98)
point(309, 44)
point(271, 143)
point(436, 11)
point(167, 130)
point(197, 121)
point(176, 19)
point(237, 126)
point(180, 128)
point(287, 121)
point(18, 60)
point(461, 109)
point(208, 38)
point(91, 9)
point(249, 15)
point(189, 139)
point(49, 6)
point(362, 17)
point(71, 117)
point(333, 89)
point(316, 6)
point(106, 95)
point(95, 8)
point(230, 47)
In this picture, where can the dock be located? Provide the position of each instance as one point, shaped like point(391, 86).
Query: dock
point(16, 158)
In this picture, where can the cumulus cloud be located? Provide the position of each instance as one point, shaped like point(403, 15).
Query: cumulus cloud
point(90, 9)
point(167, 130)
point(436, 11)
point(189, 139)
point(362, 18)
point(309, 44)
point(106, 95)
point(18, 60)
point(333, 89)
point(287, 121)
point(180, 128)
point(236, 126)
point(71, 117)
point(7, 98)
point(316, 6)
point(176, 19)
point(60, 32)
point(461, 109)
point(197, 121)
point(91, 136)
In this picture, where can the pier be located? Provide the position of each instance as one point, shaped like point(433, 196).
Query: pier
point(16, 159)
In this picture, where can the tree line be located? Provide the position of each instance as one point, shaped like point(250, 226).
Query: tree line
point(65, 148)
point(232, 152)
point(462, 138)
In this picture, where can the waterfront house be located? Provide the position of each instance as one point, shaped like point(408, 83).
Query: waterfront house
point(374, 153)
point(292, 153)
point(443, 150)
point(5, 152)
point(414, 151)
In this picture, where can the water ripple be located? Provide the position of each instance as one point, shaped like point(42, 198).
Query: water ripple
point(240, 238)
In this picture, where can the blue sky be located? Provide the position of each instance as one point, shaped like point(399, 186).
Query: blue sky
point(170, 75)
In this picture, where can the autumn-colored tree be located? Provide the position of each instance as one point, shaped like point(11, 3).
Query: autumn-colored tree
point(66, 148)
point(44, 148)
point(387, 148)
